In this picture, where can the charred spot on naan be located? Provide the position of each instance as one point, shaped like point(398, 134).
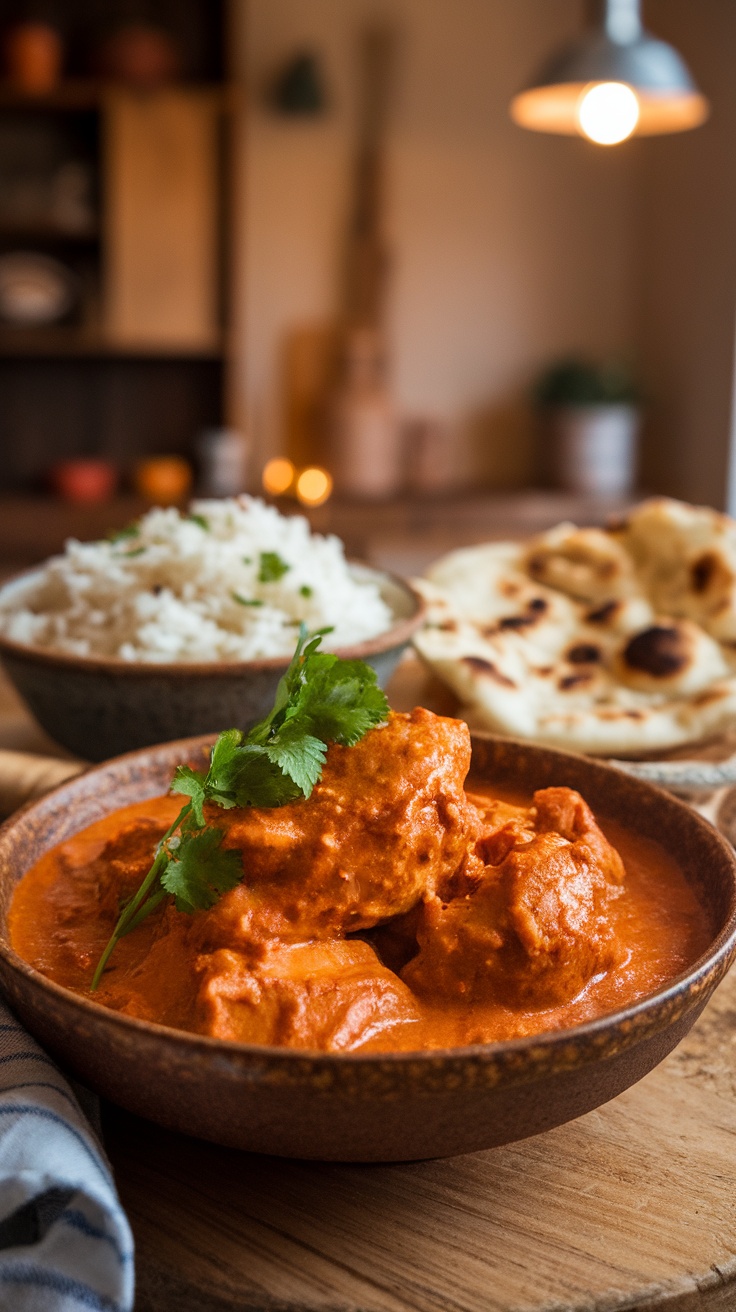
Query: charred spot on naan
point(711, 696)
point(509, 589)
point(612, 713)
point(533, 613)
point(674, 655)
point(662, 651)
point(583, 653)
point(487, 670)
point(702, 571)
point(604, 614)
point(570, 681)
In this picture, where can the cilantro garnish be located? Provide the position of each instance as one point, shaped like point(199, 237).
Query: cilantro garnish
point(139, 551)
point(201, 872)
point(245, 601)
point(272, 567)
point(321, 699)
point(199, 519)
point(131, 531)
point(306, 591)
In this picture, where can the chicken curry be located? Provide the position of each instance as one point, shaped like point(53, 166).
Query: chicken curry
point(393, 909)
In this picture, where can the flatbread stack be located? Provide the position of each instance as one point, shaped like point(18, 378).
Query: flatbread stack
point(612, 642)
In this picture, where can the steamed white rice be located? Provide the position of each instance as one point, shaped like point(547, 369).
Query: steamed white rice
point(181, 587)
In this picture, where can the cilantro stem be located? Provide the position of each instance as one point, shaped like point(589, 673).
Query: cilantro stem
point(150, 905)
point(124, 923)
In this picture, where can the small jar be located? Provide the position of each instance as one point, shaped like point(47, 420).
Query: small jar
point(34, 54)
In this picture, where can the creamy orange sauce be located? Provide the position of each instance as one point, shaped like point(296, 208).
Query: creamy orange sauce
point(433, 919)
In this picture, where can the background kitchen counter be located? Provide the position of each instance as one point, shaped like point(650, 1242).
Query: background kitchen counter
point(403, 535)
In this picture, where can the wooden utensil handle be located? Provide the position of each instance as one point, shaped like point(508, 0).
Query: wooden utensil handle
point(24, 777)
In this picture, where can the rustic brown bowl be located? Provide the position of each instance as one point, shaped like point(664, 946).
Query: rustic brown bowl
point(97, 708)
point(383, 1107)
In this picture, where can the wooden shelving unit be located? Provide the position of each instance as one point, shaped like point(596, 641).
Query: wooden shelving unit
point(72, 95)
point(78, 94)
point(143, 362)
point(72, 343)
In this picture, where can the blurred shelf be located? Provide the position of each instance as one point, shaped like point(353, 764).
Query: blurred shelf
point(66, 342)
point(45, 232)
point(75, 95)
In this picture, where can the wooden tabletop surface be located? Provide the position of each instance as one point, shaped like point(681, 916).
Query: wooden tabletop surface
point(632, 1207)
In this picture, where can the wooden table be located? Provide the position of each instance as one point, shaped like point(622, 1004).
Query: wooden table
point(630, 1207)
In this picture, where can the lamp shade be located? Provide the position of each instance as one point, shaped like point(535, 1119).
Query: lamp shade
point(618, 52)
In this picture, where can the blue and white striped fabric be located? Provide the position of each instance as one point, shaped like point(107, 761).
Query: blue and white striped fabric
point(65, 1242)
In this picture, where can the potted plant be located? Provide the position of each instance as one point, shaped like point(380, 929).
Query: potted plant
point(591, 420)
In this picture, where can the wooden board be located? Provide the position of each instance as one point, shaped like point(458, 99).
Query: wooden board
point(161, 275)
point(631, 1207)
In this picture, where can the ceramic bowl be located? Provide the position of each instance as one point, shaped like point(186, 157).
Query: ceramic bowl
point(372, 1107)
point(100, 708)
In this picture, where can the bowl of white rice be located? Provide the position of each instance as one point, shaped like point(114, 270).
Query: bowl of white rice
point(183, 623)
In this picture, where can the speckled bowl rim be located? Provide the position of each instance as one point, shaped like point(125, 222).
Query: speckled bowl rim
point(399, 634)
point(515, 1061)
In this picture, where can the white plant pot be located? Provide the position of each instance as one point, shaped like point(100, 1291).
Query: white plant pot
point(595, 448)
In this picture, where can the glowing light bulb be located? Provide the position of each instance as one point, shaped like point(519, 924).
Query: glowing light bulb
point(608, 113)
point(278, 476)
point(313, 486)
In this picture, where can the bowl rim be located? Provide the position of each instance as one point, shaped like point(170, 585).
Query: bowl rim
point(398, 634)
point(638, 1019)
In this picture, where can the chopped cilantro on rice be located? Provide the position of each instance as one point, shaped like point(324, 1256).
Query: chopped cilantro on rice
point(229, 581)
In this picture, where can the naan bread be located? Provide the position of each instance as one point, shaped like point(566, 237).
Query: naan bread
point(611, 642)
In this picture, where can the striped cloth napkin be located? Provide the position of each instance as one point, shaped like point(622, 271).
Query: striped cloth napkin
point(65, 1242)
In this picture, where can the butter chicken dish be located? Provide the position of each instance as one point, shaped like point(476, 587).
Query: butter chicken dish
point(335, 882)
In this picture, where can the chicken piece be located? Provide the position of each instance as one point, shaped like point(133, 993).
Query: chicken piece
point(151, 974)
point(332, 996)
point(384, 826)
point(501, 826)
point(120, 866)
point(533, 931)
point(563, 811)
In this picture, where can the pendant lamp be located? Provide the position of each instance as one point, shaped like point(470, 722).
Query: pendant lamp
point(614, 82)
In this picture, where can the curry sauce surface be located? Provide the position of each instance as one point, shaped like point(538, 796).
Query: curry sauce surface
point(416, 917)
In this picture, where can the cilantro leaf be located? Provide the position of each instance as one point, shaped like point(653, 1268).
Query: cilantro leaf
point(223, 752)
point(342, 700)
point(306, 591)
point(252, 778)
point(201, 872)
point(199, 519)
point(130, 531)
point(192, 785)
point(245, 601)
point(299, 755)
point(272, 567)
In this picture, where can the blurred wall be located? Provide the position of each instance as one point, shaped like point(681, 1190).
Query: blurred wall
point(686, 278)
point(509, 248)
